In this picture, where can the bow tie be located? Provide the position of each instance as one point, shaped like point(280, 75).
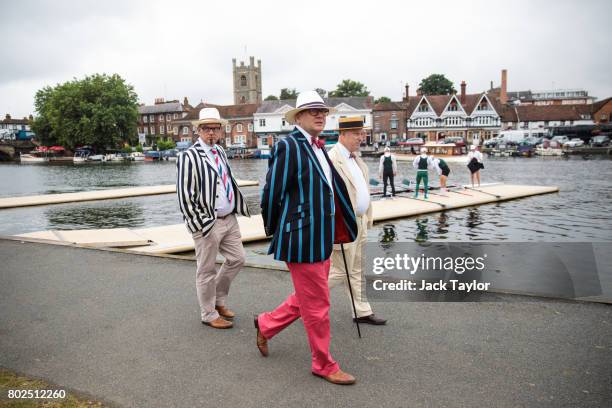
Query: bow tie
point(317, 142)
point(352, 155)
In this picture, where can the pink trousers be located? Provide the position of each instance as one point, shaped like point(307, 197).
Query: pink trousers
point(310, 301)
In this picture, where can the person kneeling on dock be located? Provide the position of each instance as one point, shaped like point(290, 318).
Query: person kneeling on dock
point(443, 171)
point(422, 163)
point(209, 199)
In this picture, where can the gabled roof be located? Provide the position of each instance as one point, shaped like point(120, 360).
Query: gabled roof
point(600, 104)
point(536, 113)
point(167, 107)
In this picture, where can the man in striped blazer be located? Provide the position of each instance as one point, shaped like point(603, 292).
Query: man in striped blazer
point(209, 199)
point(306, 208)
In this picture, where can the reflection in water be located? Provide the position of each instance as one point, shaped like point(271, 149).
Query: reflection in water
point(112, 215)
point(442, 227)
point(387, 235)
point(422, 234)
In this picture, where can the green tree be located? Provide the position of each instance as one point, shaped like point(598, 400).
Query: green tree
point(349, 87)
point(271, 98)
point(165, 144)
point(322, 92)
point(99, 110)
point(383, 99)
point(288, 93)
point(436, 84)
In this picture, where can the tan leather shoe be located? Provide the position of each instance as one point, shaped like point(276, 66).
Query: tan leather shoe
point(225, 312)
point(262, 342)
point(339, 377)
point(219, 323)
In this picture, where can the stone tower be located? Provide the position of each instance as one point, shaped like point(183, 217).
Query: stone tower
point(247, 82)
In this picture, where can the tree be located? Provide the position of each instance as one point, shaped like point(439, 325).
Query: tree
point(436, 84)
point(288, 93)
point(322, 92)
point(383, 99)
point(99, 110)
point(271, 98)
point(350, 88)
point(165, 144)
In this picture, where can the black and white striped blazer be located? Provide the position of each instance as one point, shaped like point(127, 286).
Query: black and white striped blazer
point(196, 187)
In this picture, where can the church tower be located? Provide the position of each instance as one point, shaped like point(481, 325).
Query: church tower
point(247, 82)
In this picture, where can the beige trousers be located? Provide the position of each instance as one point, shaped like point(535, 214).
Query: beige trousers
point(212, 287)
point(354, 261)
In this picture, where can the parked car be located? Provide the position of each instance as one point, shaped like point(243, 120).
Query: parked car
point(458, 140)
point(575, 142)
point(491, 142)
point(559, 141)
point(413, 141)
point(600, 140)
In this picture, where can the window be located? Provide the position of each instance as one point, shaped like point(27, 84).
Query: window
point(483, 106)
point(168, 117)
point(423, 108)
point(185, 130)
point(394, 124)
point(146, 130)
point(250, 127)
point(262, 122)
point(423, 122)
point(152, 130)
point(239, 127)
point(144, 118)
point(161, 118)
point(162, 130)
point(175, 116)
point(239, 139)
point(283, 123)
point(151, 118)
point(228, 128)
point(453, 121)
point(243, 81)
point(175, 130)
point(453, 107)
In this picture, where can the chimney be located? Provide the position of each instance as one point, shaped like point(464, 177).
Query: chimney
point(407, 96)
point(31, 118)
point(491, 87)
point(185, 101)
point(159, 100)
point(462, 99)
point(503, 96)
point(7, 117)
point(251, 61)
point(419, 92)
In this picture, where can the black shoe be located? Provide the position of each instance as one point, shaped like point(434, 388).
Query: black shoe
point(371, 319)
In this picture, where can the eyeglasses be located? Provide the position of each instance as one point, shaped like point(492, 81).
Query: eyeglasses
point(316, 111)
point(209, 129)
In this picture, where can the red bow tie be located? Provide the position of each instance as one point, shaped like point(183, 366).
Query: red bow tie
point(317, 142)
point(352, 155)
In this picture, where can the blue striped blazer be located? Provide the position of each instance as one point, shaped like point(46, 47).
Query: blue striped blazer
point(196, 187)
point(298, 205)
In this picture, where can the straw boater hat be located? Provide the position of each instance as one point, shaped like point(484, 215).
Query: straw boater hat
point(353, 122)
point(307, 100)
point(209, 116)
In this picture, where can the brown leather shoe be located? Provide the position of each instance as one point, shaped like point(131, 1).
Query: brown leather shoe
point(219, 323)
point(225, 312)
point(339, 377)
point(262, 342)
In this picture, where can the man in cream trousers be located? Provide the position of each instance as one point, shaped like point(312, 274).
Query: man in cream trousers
point(354, 172)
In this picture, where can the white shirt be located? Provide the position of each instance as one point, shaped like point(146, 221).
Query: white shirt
point(320, 155)
point(416, 161)
point(363, 195)
point(475, 154)
point(224, 206)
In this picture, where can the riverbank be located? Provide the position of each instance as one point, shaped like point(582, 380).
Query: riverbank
point(125, 329)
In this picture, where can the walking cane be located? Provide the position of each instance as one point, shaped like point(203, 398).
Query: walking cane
point(348, 278)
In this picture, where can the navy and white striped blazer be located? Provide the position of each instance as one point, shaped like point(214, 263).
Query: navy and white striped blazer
point(196, 187)
point(298, 205)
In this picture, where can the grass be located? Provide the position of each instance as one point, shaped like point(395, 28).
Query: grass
point(11, 381)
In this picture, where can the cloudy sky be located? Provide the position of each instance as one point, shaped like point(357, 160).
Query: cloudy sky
point(185, 48)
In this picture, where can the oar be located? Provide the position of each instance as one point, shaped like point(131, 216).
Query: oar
point(483, 192)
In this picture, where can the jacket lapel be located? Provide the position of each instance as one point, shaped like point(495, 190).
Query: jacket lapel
point(299, 136)
point(343, 168)
point(200, 149)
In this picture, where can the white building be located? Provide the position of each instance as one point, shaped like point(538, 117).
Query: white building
point(269, 120)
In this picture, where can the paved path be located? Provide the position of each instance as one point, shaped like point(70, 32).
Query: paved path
point(125, 329)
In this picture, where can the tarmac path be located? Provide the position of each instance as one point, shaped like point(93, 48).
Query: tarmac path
point(125, 329)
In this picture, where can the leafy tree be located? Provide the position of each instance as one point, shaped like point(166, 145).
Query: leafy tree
point(436, 84)
point(383, 99)
point(139, 148)
point(349, 87)
point(165, 144)
point(288, 93)
point(99, 110)
point(321, 92)
point(271, 98)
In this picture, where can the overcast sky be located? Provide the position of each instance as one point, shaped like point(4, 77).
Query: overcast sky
point(185, 48)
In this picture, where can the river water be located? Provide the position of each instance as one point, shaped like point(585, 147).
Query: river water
point(580, 212)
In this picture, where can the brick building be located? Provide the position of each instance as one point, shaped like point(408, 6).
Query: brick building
point(155, 121)
point(238, 131)
point(389, 122)
point(15, 124)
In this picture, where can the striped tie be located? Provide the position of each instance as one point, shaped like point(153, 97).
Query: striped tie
point(223, 175)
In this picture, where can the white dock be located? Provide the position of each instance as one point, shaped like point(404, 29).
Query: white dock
point(175, 238)
point(46, 199)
